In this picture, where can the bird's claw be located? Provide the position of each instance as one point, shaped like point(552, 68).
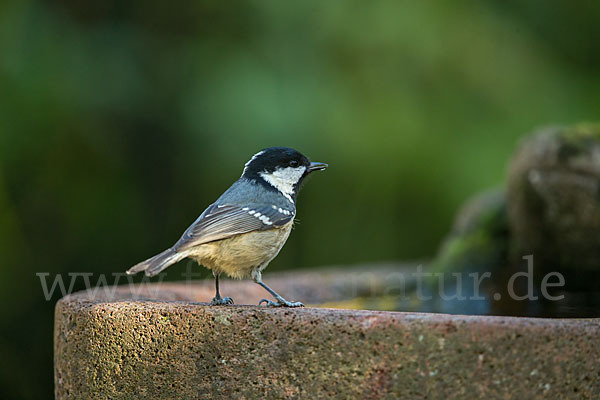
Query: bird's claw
point(218, 301)
point(280, 303)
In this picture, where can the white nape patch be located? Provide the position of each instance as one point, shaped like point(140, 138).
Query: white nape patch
point(250, 161)
point(284, 179)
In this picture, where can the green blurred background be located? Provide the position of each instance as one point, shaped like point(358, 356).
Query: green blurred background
point(120, 121)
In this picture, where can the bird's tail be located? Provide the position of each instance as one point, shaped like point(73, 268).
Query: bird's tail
point(153, 266)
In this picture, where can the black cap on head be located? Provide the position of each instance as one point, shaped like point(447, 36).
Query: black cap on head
point(273, 158)
point(280, 168)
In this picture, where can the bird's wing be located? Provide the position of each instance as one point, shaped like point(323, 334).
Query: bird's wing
point(223, 221)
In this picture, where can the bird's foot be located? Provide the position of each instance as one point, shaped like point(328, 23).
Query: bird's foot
point(281, 302)
point(218, 301)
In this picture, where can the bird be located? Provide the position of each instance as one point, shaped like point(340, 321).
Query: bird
point(246, 227)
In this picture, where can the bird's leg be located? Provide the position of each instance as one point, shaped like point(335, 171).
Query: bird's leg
point(217, 300)
point(281, 302)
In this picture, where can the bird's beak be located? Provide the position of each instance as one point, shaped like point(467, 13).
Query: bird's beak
point(316, 166)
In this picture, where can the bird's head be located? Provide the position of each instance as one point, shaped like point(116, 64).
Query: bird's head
point(280, 168)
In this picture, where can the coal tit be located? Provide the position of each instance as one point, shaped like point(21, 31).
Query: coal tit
point(241, 232)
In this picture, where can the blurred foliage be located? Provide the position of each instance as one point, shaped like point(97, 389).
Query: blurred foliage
point(120, 121)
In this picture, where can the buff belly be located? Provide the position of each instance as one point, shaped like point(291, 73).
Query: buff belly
point(238, 256)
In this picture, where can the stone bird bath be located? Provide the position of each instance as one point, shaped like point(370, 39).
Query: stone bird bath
point(159, 341)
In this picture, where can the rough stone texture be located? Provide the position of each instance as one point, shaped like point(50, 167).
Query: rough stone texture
point(109, 346)
point(553, 199)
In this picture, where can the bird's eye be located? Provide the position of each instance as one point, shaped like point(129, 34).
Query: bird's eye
point(293, 163)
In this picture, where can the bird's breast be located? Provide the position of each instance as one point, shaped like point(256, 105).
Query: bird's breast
point(239, 255)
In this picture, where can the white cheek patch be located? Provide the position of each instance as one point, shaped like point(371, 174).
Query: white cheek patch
point(284, 179)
